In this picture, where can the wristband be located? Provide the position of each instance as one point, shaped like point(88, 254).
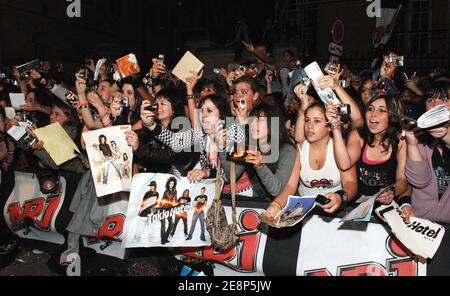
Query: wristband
point(190, 97)
point(10, 157)
point(83, 104)
point(343, 195)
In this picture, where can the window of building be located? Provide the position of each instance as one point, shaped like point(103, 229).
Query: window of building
point(419, 26)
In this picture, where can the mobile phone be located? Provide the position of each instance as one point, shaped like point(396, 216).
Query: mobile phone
point(242, 104)
point(322, 199)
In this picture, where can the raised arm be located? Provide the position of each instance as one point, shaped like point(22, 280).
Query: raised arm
point(355, 115)
point(346, 158)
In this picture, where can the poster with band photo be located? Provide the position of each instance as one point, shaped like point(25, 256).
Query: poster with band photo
point(110, 159)
point(164, 211)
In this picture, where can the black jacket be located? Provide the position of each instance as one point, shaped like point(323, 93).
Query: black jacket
point(155, 157)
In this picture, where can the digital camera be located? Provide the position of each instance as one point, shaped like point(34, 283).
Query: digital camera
point(84, 73)
point(397, 60)
point(331, 69)
point(29, 140)
point(343, 109)
point(343, 83)
point(152, 108)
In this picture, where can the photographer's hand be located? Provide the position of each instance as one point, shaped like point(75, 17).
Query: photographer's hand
point(80, 85)
point(116, 107)
point(327, 81)
point(333, 205)
point(35, 74)
point(132, 140)
point(148, 117)
point(191, 81)
point(95, 100)
point(231, 77)
point(90, 65)
point(158, 69)
point(300, 91)
point(255, 158)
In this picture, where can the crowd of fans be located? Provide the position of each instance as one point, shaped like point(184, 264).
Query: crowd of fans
point(320, 149)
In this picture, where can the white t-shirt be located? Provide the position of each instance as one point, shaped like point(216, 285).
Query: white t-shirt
point(325, 180)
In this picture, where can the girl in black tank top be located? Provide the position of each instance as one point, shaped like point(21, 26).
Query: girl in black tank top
point(373, 175)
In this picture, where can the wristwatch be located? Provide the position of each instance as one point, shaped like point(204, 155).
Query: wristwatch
point(343, 195)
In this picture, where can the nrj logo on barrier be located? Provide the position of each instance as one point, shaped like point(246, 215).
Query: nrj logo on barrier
point(374, 8)
point(74, 8)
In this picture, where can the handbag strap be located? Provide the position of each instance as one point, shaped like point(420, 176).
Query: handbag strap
point(218, 182)
point(233, 192)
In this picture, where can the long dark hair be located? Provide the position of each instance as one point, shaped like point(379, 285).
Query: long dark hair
point(174, 180)
point(270, 111)
point(72, 118)
point(221, 104)
point(394, 129)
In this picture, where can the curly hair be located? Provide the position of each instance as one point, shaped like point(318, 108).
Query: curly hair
point(171, 179)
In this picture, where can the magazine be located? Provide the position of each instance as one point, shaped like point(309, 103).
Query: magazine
point(421, 236)
point(314, 73)
point(110, 159)
point(296, 209)
point(363, 212)
point(434, 117)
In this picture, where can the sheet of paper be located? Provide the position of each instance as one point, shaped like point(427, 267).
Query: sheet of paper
point(314, 73)
point(57, 143)
point(187, 64)
point(421, 236)
point(17, 132)
point(10, 112)
point(17, 100)
point(97, 68)
point(434, 117)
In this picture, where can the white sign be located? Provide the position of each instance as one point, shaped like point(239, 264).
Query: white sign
point(30, 214)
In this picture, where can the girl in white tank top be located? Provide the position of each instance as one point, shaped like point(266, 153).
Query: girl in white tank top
point(314, 182)
point(317, 149)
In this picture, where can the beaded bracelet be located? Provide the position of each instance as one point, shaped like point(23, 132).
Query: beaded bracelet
point(190, 97)
point(84, 107)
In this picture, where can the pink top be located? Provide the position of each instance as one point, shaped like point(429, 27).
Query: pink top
point(368, 161)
